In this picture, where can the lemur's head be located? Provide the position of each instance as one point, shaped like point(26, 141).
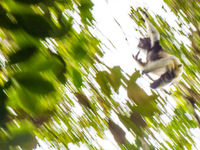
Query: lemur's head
point(144, 43)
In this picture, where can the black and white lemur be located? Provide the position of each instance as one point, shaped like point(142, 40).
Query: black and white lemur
point(157, 60)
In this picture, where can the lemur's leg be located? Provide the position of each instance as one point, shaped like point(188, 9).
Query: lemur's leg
point(164, 79)
point(163, 63)
point(152, 32)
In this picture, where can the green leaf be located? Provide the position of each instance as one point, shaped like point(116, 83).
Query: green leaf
point(35, 25)
point(102, 79)
point(85, 8)
point(129, 124)
point(77, 78)
point(24, 139)
point(78, 51)
point(5, 20)
point(47, 2)
point(32, 103)
point(31, 1)
point(43, 63)
point(3, 109)
point(23, 54)
point(3, 96)
point(34, 82)
point(60, 67)
point(53, 63)
point(66, 27)
point(23, 39)
point(147, 109)
point(115, 78)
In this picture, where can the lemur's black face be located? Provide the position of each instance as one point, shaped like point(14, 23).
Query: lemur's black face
point(144, 43)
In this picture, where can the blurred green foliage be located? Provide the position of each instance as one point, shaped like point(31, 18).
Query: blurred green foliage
point(52, 88)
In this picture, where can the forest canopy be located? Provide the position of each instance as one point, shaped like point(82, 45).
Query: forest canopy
point(55, 90)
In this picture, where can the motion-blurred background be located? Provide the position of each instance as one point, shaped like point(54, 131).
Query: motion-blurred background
point(68, 79)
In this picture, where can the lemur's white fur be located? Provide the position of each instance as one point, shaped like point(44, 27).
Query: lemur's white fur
point(152, 32)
